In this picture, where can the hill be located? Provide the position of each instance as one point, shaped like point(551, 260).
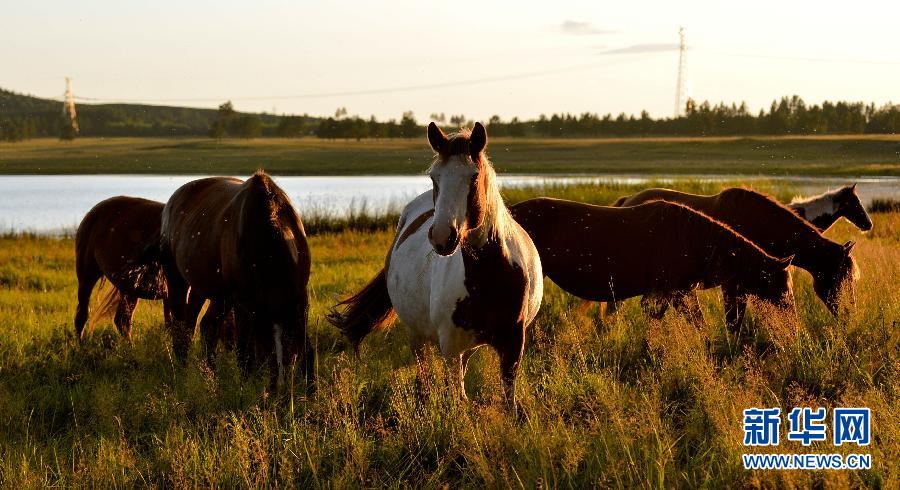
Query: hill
point(37, 117)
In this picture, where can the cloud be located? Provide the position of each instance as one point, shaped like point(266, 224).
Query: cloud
point(582, 28)
point(642, 48)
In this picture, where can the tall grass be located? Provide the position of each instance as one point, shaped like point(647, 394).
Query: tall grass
point(623, 402)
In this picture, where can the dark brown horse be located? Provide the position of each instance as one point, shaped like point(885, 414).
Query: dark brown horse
point(659, 250)
point(114, 241)
point(241, 245)
point(118, 240)
point(777, 230)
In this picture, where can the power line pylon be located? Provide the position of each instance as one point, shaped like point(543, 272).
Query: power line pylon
point(68, 109)
point(681, 86)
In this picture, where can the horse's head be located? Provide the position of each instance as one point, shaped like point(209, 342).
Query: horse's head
point(837, 275)
point(459, 178)
point(848, 204)
point(771, 282)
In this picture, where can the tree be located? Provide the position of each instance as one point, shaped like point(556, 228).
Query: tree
point(408, 126)
point(67, 130)
point(291, 127)
point(246, 126)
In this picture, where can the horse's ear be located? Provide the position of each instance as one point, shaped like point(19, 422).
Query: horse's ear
point(478, 139)
point(849, 246)
point(853, 187)
point(785, 262)
point(436, 138)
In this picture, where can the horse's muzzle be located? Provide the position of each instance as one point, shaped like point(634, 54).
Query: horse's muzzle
point(445, 246)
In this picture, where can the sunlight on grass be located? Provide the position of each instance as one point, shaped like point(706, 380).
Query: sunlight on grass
point(621, 401)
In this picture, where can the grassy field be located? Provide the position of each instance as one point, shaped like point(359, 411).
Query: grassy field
point(621, 403)
point(853, 156)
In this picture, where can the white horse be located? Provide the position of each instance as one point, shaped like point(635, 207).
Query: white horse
point(825, 209)
point(461, 273)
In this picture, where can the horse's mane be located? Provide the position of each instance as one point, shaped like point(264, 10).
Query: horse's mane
point(831, 193)
point(267, 200)
point(693, 215)
point(496, 214)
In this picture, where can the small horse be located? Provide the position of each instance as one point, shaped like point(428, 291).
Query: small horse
point(660, 250)
point(825, 209)
point(777, 230)
point(461, 273)
point(112, 242)
point(242, 245)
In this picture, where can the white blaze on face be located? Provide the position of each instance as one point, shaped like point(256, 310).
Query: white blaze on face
point(451, 181)
point(279, 352)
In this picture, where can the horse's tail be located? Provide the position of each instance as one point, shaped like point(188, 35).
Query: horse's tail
point(107, 305)
point(364, 312)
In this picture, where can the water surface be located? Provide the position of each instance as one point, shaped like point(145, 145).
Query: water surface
point(55, 204)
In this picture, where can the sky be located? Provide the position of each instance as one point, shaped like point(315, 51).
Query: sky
point(509, 58)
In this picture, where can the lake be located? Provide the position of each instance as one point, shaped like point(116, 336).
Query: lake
point(55, 204)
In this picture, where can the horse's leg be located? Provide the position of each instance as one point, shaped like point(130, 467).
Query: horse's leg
point(735, 307)
point(423, 382)
point(178, 306)
point(88, 273)
point(655, 305)
point(510, 351)
point(688, 304)
point(612, 308)
point(167, 312)
point(211, 326)
point(183, 330)
point(463, 361)
point(124, 314)
point(309, 363)
point(244, 342)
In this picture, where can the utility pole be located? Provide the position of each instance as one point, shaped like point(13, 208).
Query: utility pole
point(681, 86)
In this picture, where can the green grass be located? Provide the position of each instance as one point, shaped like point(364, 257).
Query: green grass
point(621, 403)
point(840, 156)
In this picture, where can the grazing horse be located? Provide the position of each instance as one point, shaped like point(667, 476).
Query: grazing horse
point(115, 241)
point(660, 250)
point(461, 273)
point(241, 245)
point(777, 230)
point(825, 209)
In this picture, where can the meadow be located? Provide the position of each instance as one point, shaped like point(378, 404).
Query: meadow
point(618, 402)
point(851, 155)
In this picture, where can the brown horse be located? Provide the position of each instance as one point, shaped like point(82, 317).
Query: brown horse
point(113, 242)
point(241, 245)
point(825, 209)
point(659, 250)
point(117, 240)
point(777, 230)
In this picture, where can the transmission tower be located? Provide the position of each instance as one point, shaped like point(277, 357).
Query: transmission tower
point(68, 109)
point(681, 87)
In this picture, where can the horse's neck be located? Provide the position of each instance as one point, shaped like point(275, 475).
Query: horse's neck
point(822, 210)
point(494, 227)
point(729, 256)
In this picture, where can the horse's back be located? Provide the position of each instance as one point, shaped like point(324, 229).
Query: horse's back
point(695, 201)
point(194, 221)
point(602, 252)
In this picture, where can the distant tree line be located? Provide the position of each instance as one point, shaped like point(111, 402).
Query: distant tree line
point(23, 117)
